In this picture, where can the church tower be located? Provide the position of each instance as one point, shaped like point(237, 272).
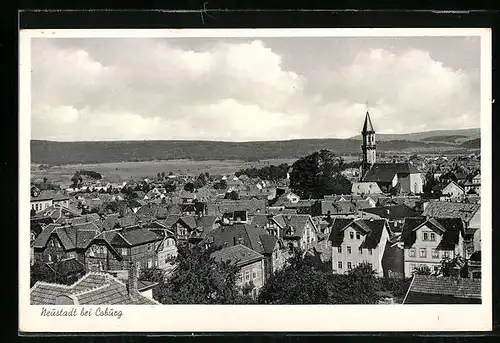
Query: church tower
point(368, 146)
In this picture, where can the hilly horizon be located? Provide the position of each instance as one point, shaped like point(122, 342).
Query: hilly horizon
point(88, 152)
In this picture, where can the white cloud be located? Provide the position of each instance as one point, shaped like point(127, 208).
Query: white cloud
point(237, 90)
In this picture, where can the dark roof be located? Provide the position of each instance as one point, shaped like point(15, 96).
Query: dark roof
point(392, 212)
point(449, 228)
point(448, 209)
point(368, 126)
point(222, 206)
point(138, 236)
point(143, 285)
point(237, 254)
point(371, 228)
point(255, 238)
point(93, 289)
point(72, 237)
point(384, 172)
point(433, 289)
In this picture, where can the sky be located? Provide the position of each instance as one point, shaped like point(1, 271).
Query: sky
point(244, 89)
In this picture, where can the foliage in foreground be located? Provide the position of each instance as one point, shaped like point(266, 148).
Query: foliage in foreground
point(199, 279)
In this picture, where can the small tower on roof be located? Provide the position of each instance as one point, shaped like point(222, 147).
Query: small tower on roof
point(368, 146)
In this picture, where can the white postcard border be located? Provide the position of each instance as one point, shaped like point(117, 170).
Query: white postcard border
point(263, 318)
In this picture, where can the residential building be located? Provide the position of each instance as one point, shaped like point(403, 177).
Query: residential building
point(355, 241)
point(57, 242)
point(428, 241)
point(443, 290)
point(255, 237)
point(249, 262)
point(193, 229)
point(453, 190)
point(469, 213)
point(115, 249)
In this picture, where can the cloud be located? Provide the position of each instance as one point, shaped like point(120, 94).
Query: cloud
point(111, 89)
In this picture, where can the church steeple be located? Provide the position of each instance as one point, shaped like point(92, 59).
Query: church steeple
point(368, 147)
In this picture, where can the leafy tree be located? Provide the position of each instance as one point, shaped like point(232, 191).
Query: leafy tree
point(233, 195)
point(318, 174)
point(158, 175)
point(76, 179)
point(220, 185)
point(44, 179)
point(456, 266)
point(422, 270)
point(429, 183)
point(198, 279)
point(189, 187)
point(152, 274)
point(163, 174)
point(170, 187)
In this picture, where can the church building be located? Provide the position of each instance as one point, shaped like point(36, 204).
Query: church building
point(400, 178)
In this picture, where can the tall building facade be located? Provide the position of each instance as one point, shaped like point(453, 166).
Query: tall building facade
point(368, 146)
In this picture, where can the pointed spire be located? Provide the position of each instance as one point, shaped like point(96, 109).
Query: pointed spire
point(367, 127)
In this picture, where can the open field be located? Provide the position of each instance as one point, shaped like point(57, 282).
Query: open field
point(118, 172)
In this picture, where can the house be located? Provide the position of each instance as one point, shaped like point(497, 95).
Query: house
point(363, 188)
point(357, 241)
point(40, 200)
point(428, 241)
point(443, 290)
point(193, 229)
point(133, 244)
point(95, 288)
point(473, 185)
point(452, 190)
point(57, 242)
point(249, 262)
point(469, 213)
point(254, 206)
point(255, 237)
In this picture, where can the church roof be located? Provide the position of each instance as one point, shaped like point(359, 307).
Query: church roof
point(384, 172)
point(368, 126)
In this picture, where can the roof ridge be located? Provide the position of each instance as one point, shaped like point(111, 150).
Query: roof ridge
point(104, 285)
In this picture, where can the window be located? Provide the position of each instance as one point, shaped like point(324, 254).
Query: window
point(339, 249)
point(426, 236)
point(339, 265)
point(433, 236)
point(124, 251)
point(423, 252)
point(349, 265)
point(370, 251)
point(446, 254)
point(351, 235)
point(254, 274)
point(411, 252)
point(240, 277)
point(150, 245)
point(435, 253)
point(348, 250)
point(247, 275)
point(360, 249)
point(358, 236)
point(436, 269)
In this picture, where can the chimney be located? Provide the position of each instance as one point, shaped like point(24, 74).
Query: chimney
point(132, 282)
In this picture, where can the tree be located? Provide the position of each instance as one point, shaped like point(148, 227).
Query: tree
point(422, 270)
point(163, 174)
point(45, 179)
point(198, 279)
point(189, 187)
point(220, 185)
point(152, 275)
point(233, 195)
point(158, 176)
point(76, 179)
point(317, 175)
point(429, 183)
point(170, 187)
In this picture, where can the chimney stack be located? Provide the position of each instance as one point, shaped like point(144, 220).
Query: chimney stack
point(132, 282)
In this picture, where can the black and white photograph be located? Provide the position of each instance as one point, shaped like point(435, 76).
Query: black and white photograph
point(259, 169)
